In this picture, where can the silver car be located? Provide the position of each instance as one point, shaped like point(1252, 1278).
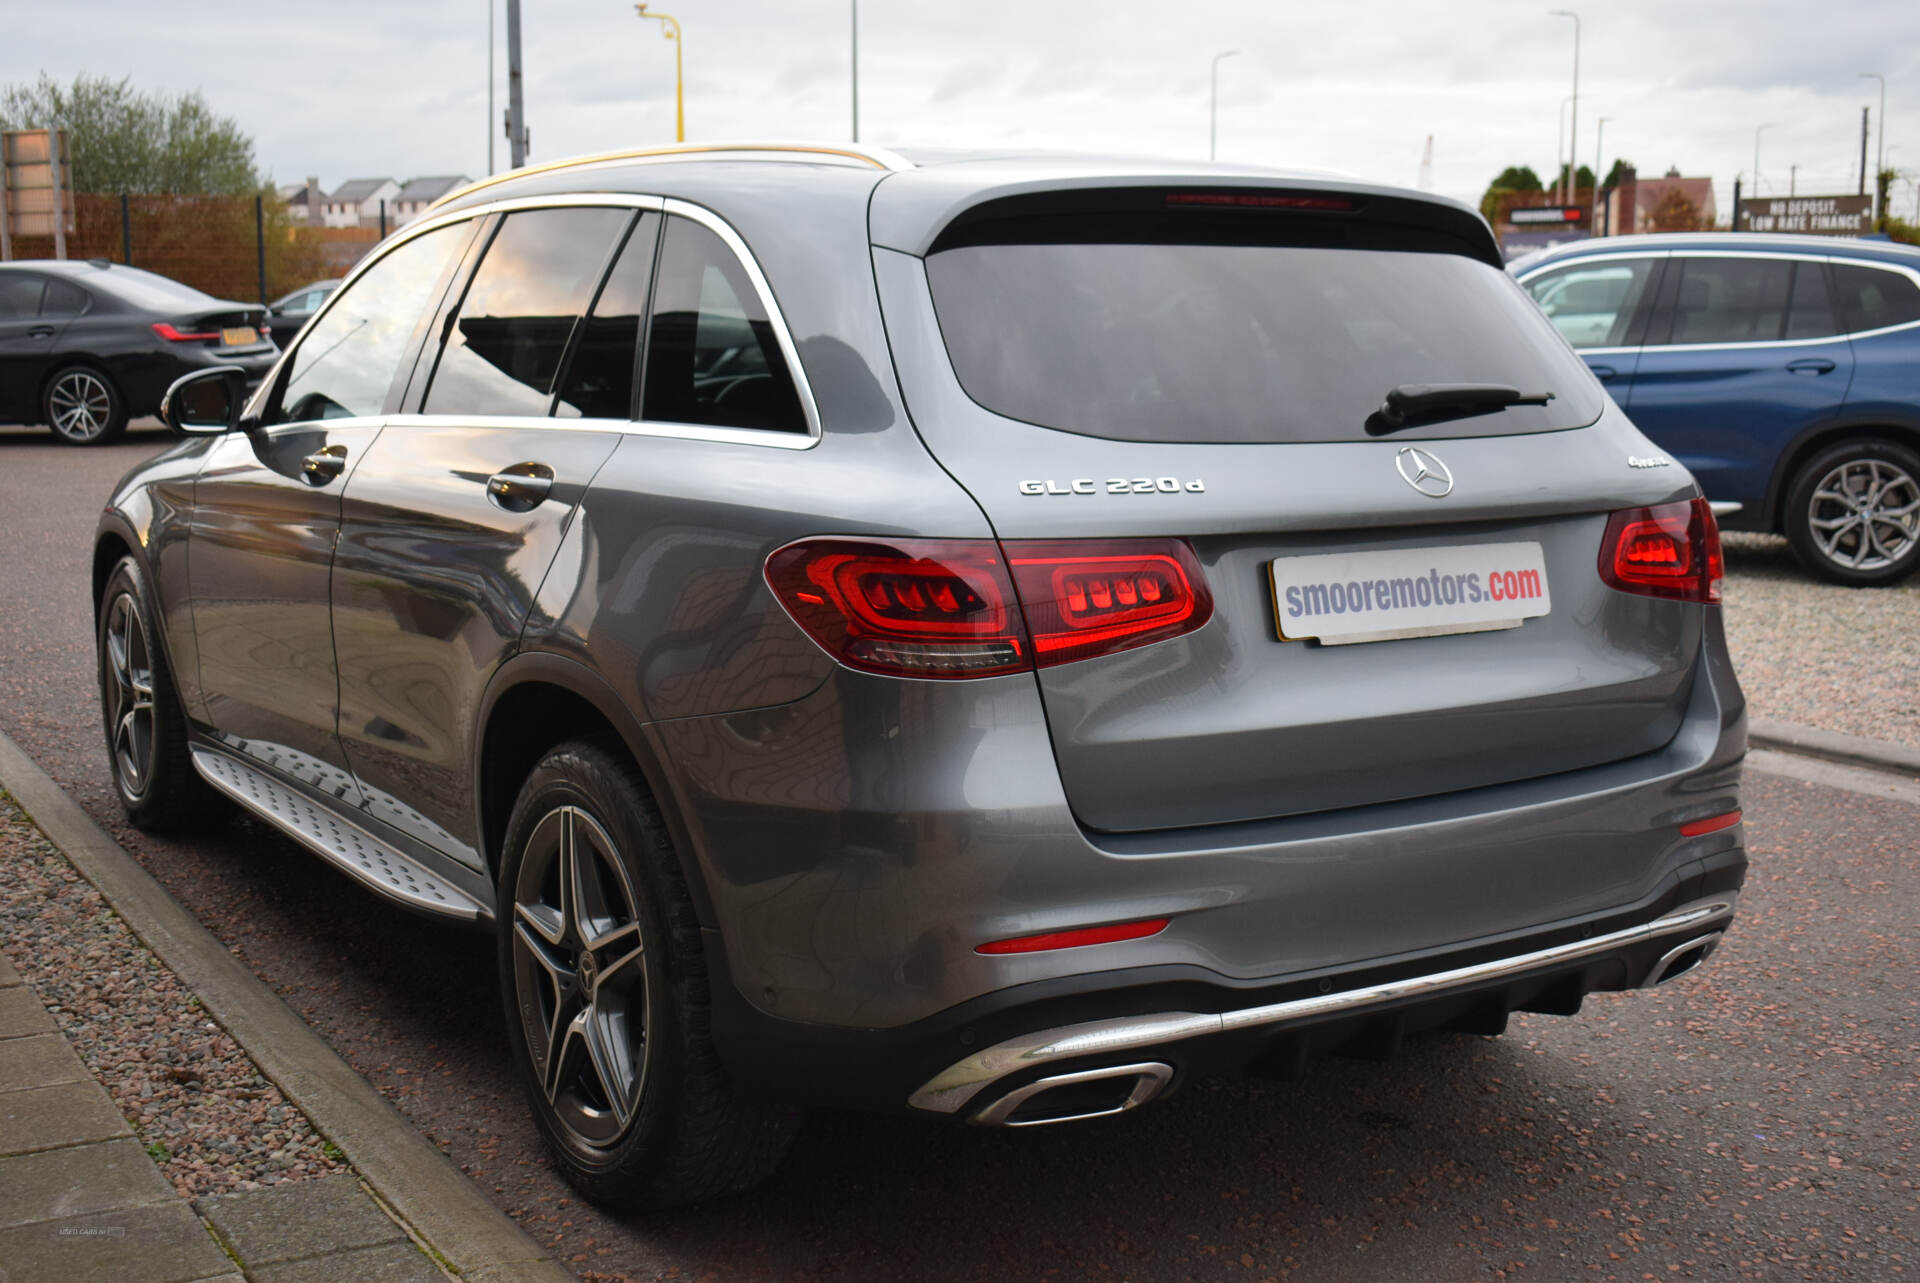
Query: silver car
point(987, 637)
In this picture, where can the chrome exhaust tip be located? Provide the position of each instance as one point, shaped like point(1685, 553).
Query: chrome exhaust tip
point(1072, 1098)
point(1682, 958)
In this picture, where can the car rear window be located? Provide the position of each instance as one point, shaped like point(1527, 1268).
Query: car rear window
point(149, 289)
point(1233, 343)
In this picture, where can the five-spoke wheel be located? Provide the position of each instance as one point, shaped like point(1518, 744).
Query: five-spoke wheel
point(604, 973)
point(127, 689)
point(145, 728)
point(580, 972)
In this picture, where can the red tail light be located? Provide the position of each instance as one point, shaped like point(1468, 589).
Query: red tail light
point(1669, 551)
point(166, 331)
point(948, 608)
point(1086, 597)
point(906, 607)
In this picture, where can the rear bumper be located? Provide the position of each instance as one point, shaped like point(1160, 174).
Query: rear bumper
point(1116, 1039)
point(856, 846)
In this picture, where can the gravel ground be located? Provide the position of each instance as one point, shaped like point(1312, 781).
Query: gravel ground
point(1841, 659)
point(204, 1111)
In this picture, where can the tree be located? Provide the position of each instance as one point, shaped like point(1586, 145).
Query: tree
point(1675, 213)
point(1582, 177)
point(1514, 178)
point(1620, 166)
point(123, 140)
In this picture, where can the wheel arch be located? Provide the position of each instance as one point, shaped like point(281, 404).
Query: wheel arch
point(537, 701)
point(1885, 427)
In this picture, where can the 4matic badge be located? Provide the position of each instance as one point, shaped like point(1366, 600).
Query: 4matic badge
point(1116, 485)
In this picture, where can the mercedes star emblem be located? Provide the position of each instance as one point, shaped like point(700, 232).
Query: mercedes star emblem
point(1424, 472)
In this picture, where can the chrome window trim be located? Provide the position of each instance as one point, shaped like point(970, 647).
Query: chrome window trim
point(1841, 260)
point(789, 351)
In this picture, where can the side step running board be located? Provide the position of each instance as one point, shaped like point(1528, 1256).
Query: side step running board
point(337, 840)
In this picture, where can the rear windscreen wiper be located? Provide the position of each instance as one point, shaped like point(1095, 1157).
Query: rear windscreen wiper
point(1410, 403)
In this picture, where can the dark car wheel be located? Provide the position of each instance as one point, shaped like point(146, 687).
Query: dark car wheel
point(146, 729)
point(83, 407)
point(1853, 513)
point(607, 1000)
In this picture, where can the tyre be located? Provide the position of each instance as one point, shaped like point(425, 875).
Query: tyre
point(607, 1000)
point(145, 725)
point(1853, 513)
point(83, 407)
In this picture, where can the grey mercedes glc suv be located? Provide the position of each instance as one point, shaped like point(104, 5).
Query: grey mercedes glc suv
point(988, 637)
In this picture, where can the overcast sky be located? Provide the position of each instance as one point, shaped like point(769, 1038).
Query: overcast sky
point(350, 88)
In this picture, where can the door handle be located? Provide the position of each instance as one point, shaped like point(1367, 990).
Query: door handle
point(324, 464)
point(1811, 365)
point(40, 332)
point(520, 487)
point(1604, 372)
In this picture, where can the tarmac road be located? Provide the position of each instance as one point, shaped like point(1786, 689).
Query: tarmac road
point(1755, 1120)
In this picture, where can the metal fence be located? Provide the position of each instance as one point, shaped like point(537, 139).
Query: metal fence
point(232, 247)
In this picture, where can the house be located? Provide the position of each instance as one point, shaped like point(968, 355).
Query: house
point(1659, 204)
point(422, 192)
point(356, 203)
point(303, 202)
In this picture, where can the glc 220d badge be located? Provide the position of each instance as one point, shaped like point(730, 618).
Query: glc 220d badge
point(1116, 485)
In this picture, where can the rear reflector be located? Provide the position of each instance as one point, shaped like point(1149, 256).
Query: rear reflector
point(1699, 828)
point(1076, 938)
point(166, 331)
point(1672, 550)
point(948, 608)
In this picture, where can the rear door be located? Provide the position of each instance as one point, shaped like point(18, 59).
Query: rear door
point(26, 344)
point(1601, 305)
point(1213, 378)
point(453, 517)
point(267, 515)
point(1744, 353)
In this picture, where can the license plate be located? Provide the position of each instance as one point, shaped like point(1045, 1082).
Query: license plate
point(239, 336)
point(1344, 597)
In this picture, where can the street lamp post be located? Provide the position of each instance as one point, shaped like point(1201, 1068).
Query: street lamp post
point(1573, 134)
point(670, 28)
point(1879, 168)
point(1599, 158)
point(1560, 162)
point(855, 18)
point(1213, 102)
point(1756, 156)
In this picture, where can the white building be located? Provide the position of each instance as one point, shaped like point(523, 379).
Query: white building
point(420, 193)
point(356, 203)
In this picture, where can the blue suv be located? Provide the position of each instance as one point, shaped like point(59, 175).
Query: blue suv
point(1783, 371)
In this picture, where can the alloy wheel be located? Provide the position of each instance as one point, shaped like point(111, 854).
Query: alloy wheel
point(1865, 514)
point(580, 971)
point(81, 405)
point(129, 694)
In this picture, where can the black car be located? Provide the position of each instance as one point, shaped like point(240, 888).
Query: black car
point(286, 314)
point(86, 346)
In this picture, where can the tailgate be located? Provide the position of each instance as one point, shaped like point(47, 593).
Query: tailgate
point(1248, 717)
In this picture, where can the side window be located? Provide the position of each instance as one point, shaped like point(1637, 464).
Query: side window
point(598, 382)
point(1871, 298)
point(19, 295)
point(64, 299)
point(505, 345)
point(1731, 300)
point(1810, 316)
point(711, 355)
point(346, 362)
point(1593, 303)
